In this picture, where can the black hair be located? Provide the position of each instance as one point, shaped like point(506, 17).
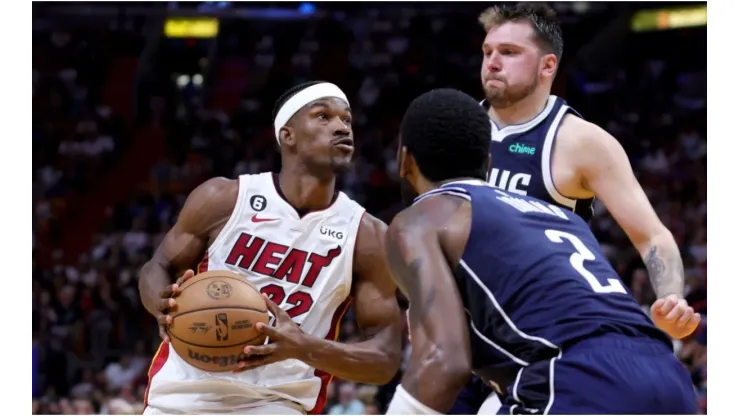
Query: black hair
point(542, 17)
point(449, 135)
point(291, 92)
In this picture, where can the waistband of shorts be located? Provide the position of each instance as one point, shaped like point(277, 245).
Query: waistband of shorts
point(643, 345)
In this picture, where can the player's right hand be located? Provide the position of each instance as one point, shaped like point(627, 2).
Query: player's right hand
point(168, 303)
point(674, 316)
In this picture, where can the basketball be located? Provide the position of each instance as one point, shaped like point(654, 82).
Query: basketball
point(215, 319)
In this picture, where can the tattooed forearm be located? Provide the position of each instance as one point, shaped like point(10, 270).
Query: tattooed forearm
point(665, 269)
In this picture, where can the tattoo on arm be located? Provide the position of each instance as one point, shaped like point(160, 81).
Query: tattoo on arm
point(666, 274)
point(406, 273)
point(405, 269)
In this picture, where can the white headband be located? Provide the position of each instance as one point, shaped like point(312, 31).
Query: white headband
point(305, 96)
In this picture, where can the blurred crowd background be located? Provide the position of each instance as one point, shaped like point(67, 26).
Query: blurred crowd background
point(136, 104)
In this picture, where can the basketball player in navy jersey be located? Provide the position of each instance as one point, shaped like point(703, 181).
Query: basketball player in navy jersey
point(543, 148)
point(514, 288)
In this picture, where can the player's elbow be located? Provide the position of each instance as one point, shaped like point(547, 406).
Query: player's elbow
point(658, 236)
point(390, 363)
point(450, 363)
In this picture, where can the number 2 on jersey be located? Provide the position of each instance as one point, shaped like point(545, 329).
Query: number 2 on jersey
point(301, 302)
point(582, 254)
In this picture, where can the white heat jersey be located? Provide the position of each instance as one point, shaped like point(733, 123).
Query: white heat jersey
point(304, 264)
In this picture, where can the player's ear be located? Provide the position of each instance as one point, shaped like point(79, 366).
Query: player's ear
point(404, 162)
point(287, 137)
point(549, 65)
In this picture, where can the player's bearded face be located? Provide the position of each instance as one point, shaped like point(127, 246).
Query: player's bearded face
point(511, 65)
point(503, 91)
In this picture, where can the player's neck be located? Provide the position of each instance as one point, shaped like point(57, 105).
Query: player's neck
point(306, 192)
point(520, 112)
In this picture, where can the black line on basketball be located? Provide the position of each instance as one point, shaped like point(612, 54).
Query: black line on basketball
point(220, 308)
point(218, 346)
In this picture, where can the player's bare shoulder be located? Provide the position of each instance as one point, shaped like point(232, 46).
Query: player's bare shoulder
point(210, 205)
point(443, 218)
point(580, 148)
point(579, 137)
point(369, 246)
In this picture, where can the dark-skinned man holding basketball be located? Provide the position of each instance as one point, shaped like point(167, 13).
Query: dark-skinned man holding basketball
point(308, 248)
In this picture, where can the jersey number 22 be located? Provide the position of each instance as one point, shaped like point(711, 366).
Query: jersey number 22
point(582, 254)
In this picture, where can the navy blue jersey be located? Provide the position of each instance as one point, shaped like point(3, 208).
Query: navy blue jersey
point(521, 156)
point(534, 281)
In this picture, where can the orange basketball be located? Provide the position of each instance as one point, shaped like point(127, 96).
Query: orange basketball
point(215, 319)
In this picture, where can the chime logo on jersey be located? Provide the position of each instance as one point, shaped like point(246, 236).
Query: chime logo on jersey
point(521, 149)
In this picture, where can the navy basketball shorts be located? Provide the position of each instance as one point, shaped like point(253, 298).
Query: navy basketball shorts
point(471, 397)
point(606, 375)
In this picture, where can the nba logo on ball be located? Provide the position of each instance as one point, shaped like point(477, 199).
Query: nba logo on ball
point(222, 327)
point(219, 290)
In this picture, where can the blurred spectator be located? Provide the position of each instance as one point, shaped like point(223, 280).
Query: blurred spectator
point(348, 403)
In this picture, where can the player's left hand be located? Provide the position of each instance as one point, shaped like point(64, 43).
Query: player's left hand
point(287, 340)
point(675, 316)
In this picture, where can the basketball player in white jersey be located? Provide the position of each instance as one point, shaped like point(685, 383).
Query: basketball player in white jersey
point(543, 148)
point(303, 244)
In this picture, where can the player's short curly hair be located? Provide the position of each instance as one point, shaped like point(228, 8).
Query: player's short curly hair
point(449, 135)
point(291, 92)
point(542, 17)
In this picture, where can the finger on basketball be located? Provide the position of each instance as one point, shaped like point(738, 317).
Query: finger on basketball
point(163, 334)
point(268, 330)
point(167, 292)
point(185, 277)
point(166, 304)
point(252, 350)
point(164, 320)
point(272, 307)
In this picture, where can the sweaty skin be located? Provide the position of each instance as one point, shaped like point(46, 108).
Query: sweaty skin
point(423, 244)
point(206, 211)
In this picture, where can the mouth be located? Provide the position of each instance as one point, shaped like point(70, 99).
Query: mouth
point(346, 144)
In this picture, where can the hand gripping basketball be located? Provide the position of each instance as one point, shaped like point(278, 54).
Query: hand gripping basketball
point(287, 341)
point(168, 303)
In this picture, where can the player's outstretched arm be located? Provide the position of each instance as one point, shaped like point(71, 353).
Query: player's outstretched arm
point(207, 208)
point(441, 358)
point(606, 172)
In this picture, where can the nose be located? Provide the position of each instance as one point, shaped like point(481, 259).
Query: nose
point(340, 127)
point(493, 62)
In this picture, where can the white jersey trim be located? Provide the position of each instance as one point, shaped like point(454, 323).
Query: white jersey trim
point(499, 135)
point(547, 161)
point(235, 217)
